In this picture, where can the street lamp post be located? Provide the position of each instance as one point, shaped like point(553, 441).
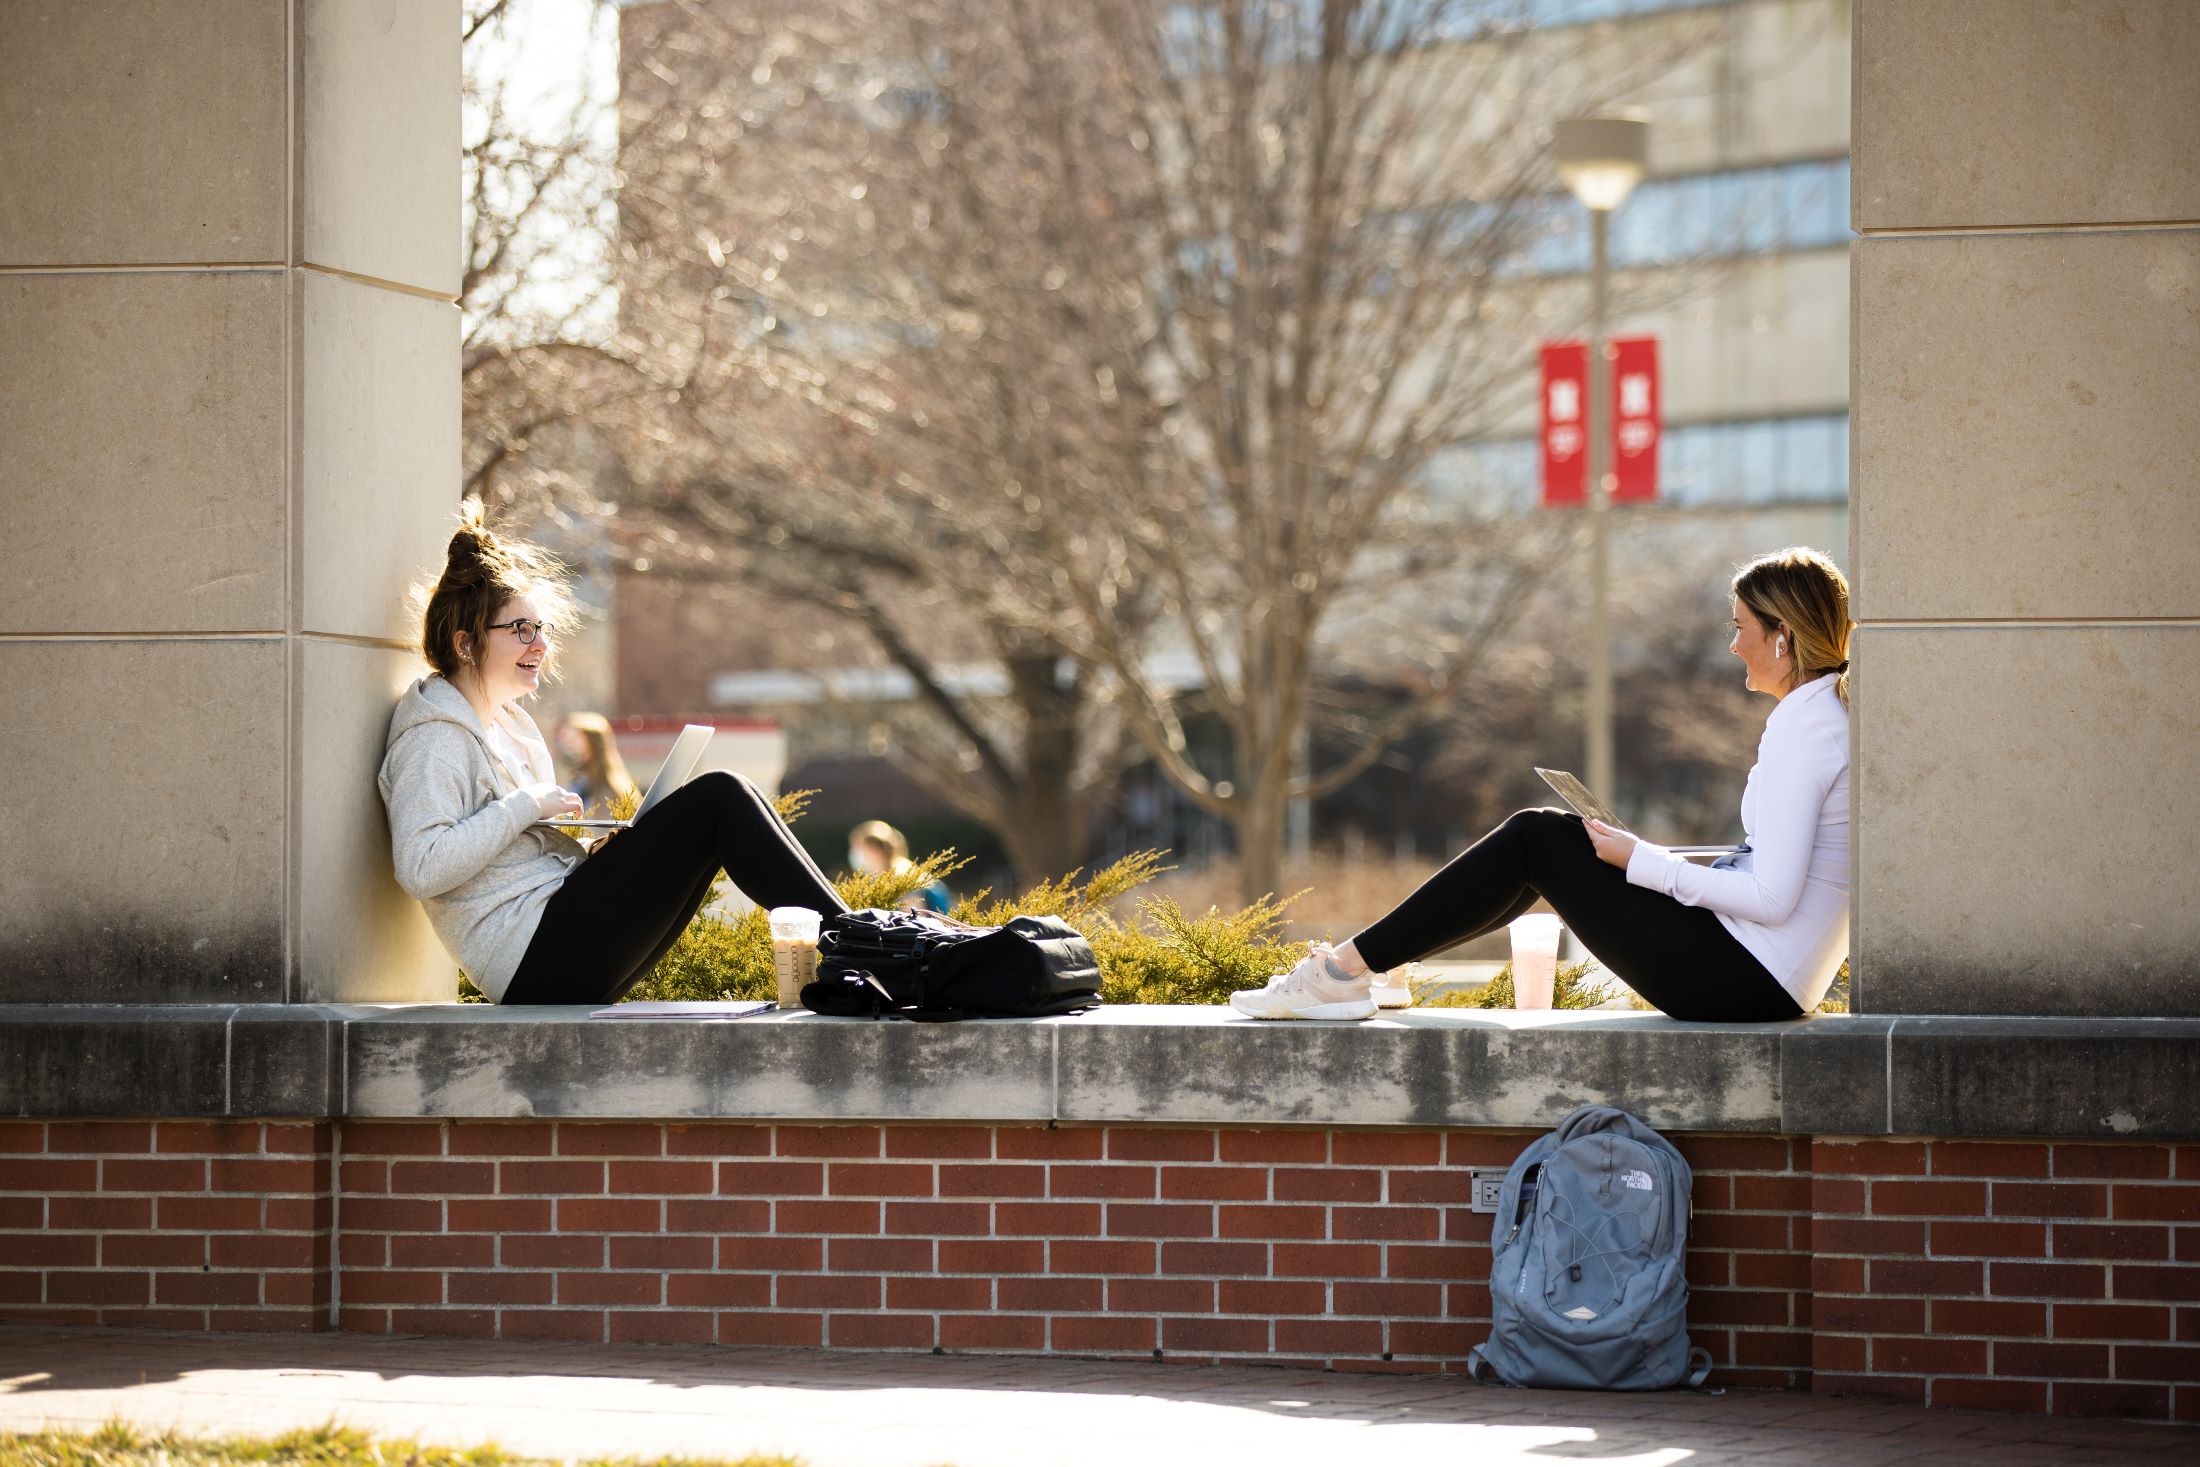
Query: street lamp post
point(1601, 159)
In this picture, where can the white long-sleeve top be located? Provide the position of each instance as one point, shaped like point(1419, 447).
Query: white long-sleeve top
point(1785, 898)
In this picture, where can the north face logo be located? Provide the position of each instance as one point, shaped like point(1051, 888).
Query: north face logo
point(1640, 1181)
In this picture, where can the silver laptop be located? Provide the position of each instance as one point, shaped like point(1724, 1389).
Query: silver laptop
point(1589, 807)
point(677, 770)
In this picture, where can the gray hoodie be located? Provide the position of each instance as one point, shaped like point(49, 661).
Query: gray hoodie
point(464, 837)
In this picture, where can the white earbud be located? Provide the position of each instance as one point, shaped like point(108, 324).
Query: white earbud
point(1779, 647)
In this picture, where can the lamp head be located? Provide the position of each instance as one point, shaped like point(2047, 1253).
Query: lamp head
point(1602, 158)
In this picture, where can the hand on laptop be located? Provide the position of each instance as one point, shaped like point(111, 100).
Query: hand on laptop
point(1613, 846)
point(555, 803)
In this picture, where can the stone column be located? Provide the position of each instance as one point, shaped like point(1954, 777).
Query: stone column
point(229, 252)
point(2026, 501)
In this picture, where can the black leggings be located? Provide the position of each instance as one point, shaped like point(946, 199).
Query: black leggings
point(1679, 957)
point(623, 908)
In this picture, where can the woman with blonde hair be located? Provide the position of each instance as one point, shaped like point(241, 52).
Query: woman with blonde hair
point(532, 915)
point(599, 774)
point(1756, 935)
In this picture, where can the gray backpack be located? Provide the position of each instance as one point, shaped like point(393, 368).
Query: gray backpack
point(1587, 1290)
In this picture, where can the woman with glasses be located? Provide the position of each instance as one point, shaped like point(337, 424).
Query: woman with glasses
point(531, 914)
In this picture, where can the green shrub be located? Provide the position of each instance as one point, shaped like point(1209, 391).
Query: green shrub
point(1572, 990)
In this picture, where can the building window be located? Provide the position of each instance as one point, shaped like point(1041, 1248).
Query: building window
point(1761, 461)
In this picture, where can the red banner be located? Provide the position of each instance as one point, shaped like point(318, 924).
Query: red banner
point(1565, 422)
point(1635, 419)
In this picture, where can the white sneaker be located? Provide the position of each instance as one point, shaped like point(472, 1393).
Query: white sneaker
point(1316, 989)
point(1394, 989)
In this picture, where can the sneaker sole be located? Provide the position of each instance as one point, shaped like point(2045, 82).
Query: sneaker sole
point(1358, 1008)
point(1392, 998)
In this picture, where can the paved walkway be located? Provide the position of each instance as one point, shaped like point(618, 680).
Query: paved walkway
point(881, 1410)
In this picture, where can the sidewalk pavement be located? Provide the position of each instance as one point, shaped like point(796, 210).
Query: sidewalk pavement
point(894, 1410)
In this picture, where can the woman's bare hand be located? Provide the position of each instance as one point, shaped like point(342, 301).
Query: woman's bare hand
point(1613, 846)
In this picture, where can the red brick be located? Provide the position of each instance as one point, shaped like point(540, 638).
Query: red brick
point(189, 1318)
point(1161, 1296)
point(789, 1331)
point(1442, 1338)
point(1328, 1184)
point(1901, 1390)
point(1784, 1348)
point(206, 1288)
point(1160, 1220)
point(431, 1178)
point(215, 1214)
point(2139, 1281)
point(663, 1178)
point(772, 1255)
point(660, 1252)
point(20, 1288)
point(1387, 1148)
point(497, 1138)
point(30, 1212)
point(1048, 1294)
point(1873, 1237)
point(294, 1288)
point(1866, 1158)
point(363, 1176)
point(107, 1138)
point(879, 1331)
point(2112, 1322)
point(957, 1143)
point(1222, 1336)
point(2100, 1398)
point(1989, 1159)
point(565, 1178)
point(2178, 1364)
point(1860, 1316)
point(102, 1212)
point(1735, 1153)
point(2050, 1199)
point(1271, 1147)
point(1896, 1355)
point(1047, 1219)
point(552, 1324)
point(264, 1252)
point(710, 1138)
point(609, 1214)
point(1467, 1301)
point(1484, 1148)
point(357, 1321)
point(1133, 1182)
point(442, 1250)
point(1929, 1199)
point(879, 1255)
point(2179, 1203)
point(992, 1332)
point(299, 1214)
point(1272, 1222)
point(146, 1250)
point(1386, 1224)
point(717, 1215)
point(282, 1137)
point(38, 1174)
point(1714, 1192)
point(1147, 1144)
point(496, 1215)
point(884, 1179)
point(1830, 1354)
point(662, 1327)
point(1782, 1193)
point(373, 1287)
point(2112, 1240)
point(1838, 1196)
point(2087, 1281)
point(1214, 1259)
point(1739, 1307)
point(1989, 1239)
point(837, 1216)
point(50, 1250)
point(1329, 1337)
point(1215, 1184)
point(719, 1290)
point(1440, 1261)
point(1347, 1261)
point(558, 1250)
point(611, 1288)
point(1995, 1317)
point(1388, 1300)
point(363, 1250)
point(939, 1219)
point(2057, 1361)
point(992, 1179)
point(1103, 1334)
point(1934, 1276)
point(612, 1139)
point(1277, 1296)
point(2075, 1159)
point(1101, 1256)
point(228, 1138)
point(1755, 1231)
point(2018, 1397)
point(823, 1291)
point(1454, 1186)
point(839, 1141)
point(1773, 1271)
point(939, 1295)
point(360, 1138)
point(21, 1137)
point(2188, 1325)
point(1033, 1143)
point(992, 1255)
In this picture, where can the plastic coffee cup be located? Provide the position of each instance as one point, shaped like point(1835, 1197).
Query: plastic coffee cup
point(1535, 960)
point(794, 951)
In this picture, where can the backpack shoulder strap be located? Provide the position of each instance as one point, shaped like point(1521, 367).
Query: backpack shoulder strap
point(1479, 1369)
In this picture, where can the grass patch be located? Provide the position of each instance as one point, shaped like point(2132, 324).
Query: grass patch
point(330, 1445)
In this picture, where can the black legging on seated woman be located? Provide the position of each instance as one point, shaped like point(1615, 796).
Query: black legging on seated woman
point(1679, 957)
point(623, 908)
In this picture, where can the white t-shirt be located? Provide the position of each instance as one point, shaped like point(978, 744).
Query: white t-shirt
point(1786, 898)
point(517, 750)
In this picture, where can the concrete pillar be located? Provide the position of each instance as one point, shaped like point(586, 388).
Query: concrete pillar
point(2026, 512)
point(229, 402)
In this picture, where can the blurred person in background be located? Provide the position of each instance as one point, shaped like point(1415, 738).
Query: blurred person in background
point(877, 849)
point(592, 753)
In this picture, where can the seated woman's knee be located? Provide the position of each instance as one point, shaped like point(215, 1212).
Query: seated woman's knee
point(725, 785)
point(1543, 817)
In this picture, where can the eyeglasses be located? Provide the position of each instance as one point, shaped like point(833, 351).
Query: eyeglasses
point(523, 629)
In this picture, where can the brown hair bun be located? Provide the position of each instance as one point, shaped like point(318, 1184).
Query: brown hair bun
point(481, 571)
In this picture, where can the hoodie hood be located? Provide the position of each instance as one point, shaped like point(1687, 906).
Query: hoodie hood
point(434, 700)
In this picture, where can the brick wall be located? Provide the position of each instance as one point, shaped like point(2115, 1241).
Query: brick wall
point(2021, 1276)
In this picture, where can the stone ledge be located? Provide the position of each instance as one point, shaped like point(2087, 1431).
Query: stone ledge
point(1857, 1075)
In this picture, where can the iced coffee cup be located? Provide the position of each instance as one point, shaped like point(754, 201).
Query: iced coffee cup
point(794, 951)
point(1535, 960)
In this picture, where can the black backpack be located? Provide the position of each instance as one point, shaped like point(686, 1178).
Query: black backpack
point(914, 965)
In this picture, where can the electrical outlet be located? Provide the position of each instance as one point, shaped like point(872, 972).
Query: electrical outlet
point(1489, 1185)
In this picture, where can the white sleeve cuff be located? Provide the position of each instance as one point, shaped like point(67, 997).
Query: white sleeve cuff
point(1652, 866)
